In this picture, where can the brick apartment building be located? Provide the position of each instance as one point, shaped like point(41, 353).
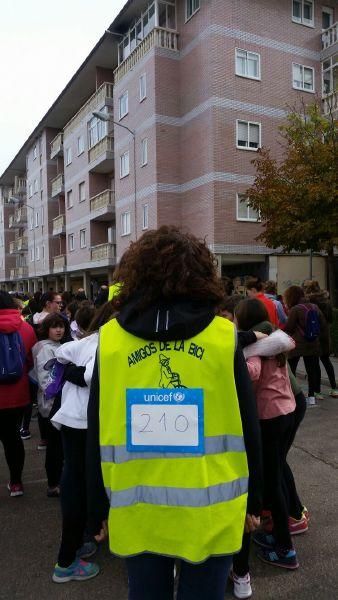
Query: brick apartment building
point(159, 125)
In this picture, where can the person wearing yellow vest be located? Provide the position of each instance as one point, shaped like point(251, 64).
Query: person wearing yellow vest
point(173, 434)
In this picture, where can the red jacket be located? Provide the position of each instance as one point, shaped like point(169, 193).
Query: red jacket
point(13, 395)
point(270, 307)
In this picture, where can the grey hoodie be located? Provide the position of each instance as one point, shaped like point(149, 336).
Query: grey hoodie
point(43, 352)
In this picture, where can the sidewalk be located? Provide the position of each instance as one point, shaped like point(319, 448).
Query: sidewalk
point(325, 380)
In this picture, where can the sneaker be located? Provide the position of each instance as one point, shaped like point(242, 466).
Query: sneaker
point(286, 559)
point(311, 402)
point(242, 585)
point(263, 539)
point(25, 434)
point(15, 489)
point(79, 570)
point(319, 396)
point(297, 526)
point(42, 445)
point(53, 492)
point(333, 393)
point(306, 514)
point(87, 549)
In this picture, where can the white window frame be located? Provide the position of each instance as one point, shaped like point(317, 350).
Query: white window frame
point(249, 123)
point(125, 223)
point(247, 52)
point(36, 186)
point(97, 130)
point(301, 20)
point(35, 152)
point(30, 190)
point(256, 219)
point(143, 87)
point(145, 216)
point(43, 252)
point(31, 220)
point(80, 146)
point(68, 156)
point(32, 254)
point(37, 252)
point(124, 164)
point(329, 70)
point(83, 242)
point(70, 195)
point(328, 10)
point(71, 242)
point(36, 220)
point(82, 186)
point(123, 105)
point(296, 87)
point(144, 152)
point(195, 6)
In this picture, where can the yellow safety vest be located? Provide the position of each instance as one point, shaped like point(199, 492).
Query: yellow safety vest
point(183, 504)
point(114, 290)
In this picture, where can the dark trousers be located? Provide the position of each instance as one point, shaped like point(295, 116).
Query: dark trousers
point(325, 360)
point(312, 369)
point(151, 577)
point(27, 415)
point(73, 493)
point(275, 443)
point(289, 485)
point(241, 560)
point(42, 422)
point(10, 423)
point(54, 453)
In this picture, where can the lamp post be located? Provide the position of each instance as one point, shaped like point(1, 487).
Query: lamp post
point(14, 200)
point(105, 117)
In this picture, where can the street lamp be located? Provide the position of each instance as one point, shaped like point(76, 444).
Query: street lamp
point(106, 117)
point(13, 200)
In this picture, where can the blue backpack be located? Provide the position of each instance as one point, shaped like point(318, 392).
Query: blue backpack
point(312, 324)
point(12, 357)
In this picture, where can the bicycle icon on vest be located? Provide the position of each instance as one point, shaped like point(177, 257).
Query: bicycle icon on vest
point(169, 379)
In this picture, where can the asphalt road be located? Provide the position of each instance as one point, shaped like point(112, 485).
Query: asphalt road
point(30, 529)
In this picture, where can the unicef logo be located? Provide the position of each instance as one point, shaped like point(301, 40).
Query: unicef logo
point(178, 397)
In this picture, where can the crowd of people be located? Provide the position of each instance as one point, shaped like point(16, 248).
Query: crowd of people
point(166, 414)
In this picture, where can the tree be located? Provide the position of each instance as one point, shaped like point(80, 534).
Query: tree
point(297, 197)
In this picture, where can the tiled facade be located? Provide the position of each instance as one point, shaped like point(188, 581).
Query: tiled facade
point(191, 104)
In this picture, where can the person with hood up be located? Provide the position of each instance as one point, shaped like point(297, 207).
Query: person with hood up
point(14, 396)
point(173, 438)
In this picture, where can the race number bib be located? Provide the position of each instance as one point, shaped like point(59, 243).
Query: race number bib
point(165, 420)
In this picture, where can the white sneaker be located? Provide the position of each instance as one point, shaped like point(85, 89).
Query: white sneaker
point(333, 393)
point(242, 586)
point(311, 401)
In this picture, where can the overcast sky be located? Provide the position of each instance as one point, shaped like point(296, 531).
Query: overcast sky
point(42, 44)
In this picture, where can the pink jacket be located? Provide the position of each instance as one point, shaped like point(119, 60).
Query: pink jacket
point(272, 387)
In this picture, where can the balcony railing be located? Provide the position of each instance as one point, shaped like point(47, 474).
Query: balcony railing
point(20, 185)
point(330, 103)
point(22, 244)
point(56, 145)
point(102, 201)
point(97, 99)
point(58, 185)
point(330, 36)
point(104, 145)
point(158, 37)
point(12, 247)
point(19, 218)
point(103, 252)
point(18, 273)
point(59, 225)
point(11, 222)
point(59, 263)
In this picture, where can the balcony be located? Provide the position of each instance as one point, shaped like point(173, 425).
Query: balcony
point(19, 245)
point(12, 247)
point(330, 36)
point(102, 206)
point(59, 225)
point(102, 97)
point(330, 104)
point(104, 252)
point(58, 185)
point(11, 222)
point(59, 263)
point(20, 185)
point(19, 219)
point(159, 38)
point(101, 156)
point(56, 146)
point(18, 273)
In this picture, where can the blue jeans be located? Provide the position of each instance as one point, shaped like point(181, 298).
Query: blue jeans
point(151, 577)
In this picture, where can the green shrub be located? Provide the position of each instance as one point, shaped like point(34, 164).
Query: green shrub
point(334, 332)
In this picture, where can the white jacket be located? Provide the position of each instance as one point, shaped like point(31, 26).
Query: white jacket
point(43, 352)
point(74, 400)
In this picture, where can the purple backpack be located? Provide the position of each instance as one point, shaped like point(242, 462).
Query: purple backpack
point(56, 378)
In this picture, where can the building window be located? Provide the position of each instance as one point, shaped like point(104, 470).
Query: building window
point(145, 215)
point(97, 130)
point(43, 252)
point(37, 253)
point(330, 74)
point(192, 6)
point(37, 219)
point(303, 78)
point(36, 186)
point(123, 105)
point(71, 242)
point(82, 238)
point(125, 223)
point(80, 145)
point(144, 152)
point(70, 199)
point(143, 87)
point(82, 191)
point(124, 164)
point(31, 220)
point(68, 156)
point(32, 254)
point(30, 190)
point(244, 211)
point(35, 152)
point(302, 12)
point(248, 135)
point(248, 64)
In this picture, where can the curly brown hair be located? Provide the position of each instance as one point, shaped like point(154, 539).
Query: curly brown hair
point(165, 264)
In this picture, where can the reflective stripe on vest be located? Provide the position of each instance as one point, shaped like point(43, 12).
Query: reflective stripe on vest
point(167, 496)
point(213, 445)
